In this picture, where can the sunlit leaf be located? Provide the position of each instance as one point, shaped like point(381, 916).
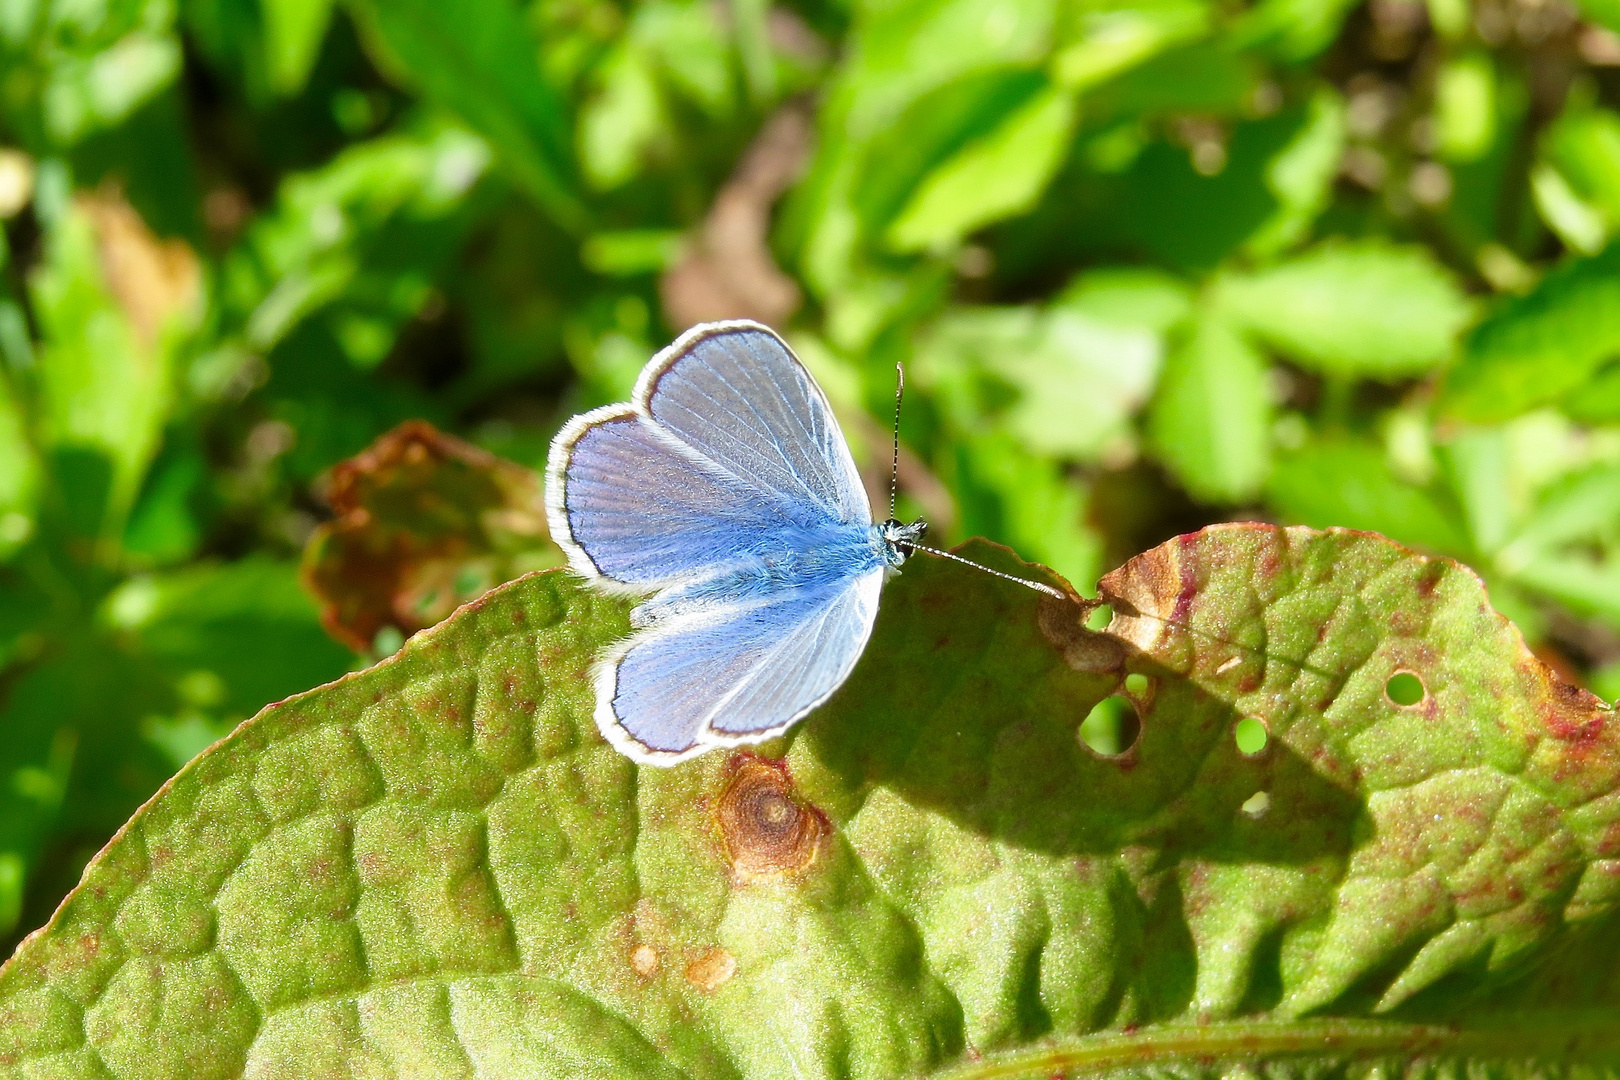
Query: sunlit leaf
point(114, 304)
point(1465, 107)
point(441, 857)
point(1351, 485)
point(293, 32)
point(1065, 381)
point(362, 239)
point(1301, 175)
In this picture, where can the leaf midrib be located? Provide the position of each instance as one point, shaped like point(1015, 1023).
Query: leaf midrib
point(1585, 1037)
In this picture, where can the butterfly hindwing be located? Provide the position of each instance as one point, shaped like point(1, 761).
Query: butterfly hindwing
point(734, 677)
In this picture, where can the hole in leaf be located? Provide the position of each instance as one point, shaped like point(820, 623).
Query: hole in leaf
point(1251, 735)
point(1098, 617)
point(1404, 688)
point(1256, 805)
point(1112, 726)
point(1137, 684)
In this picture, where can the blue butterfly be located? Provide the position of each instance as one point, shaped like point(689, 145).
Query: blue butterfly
point(725, 495)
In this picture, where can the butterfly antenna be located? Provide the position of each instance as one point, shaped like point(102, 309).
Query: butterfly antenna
point(894, 468)
point(1036, 585)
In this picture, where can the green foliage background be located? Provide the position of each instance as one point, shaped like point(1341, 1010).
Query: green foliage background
point(1150, 263)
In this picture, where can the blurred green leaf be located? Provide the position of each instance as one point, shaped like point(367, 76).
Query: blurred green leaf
point(1597, 401)
point(693, 50)
point(620, 124)
point(1465, 107)
point(1064, 382)
point(1195, 76)
point(1005, 489)
point(1580, 177)
point(630, 252)
point(1112, 42)
point(114, 305)
point(77, 758)
point(898, 55)
point(477, 59)
point(1480, 463)
point(1501, 473)
point(1301, 175)
point(997, 175)
point(1350, 484)
point(942, 124)
point(1536, 348)
point(1129, 296)
point(1293, 29)
point(1211, 420)
point(99, 90)
point(1366, 309)
point(164, 526)
point(1193, 206)
point(19, 473)
point(1582, 227)
point(364, 239)
point(1569, 549)
point(248, 623)
point(74, 69)
point(293, 32)
point(1604, 12)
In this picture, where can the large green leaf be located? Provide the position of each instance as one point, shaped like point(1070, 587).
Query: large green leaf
point(437, 867)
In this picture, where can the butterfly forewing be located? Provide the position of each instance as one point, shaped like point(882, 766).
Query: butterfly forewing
point(741, 399)
point(640, 509)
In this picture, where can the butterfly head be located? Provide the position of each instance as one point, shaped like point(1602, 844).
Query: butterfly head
point(899, 539)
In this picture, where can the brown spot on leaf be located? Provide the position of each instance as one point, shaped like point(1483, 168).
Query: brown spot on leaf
point(712, 970)
point(766, 830)
point(425, 522)
point(644, 961)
